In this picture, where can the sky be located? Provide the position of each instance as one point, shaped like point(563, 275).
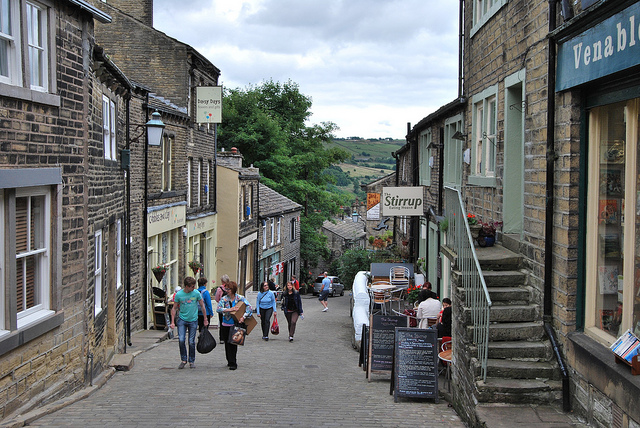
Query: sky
point(369, 66)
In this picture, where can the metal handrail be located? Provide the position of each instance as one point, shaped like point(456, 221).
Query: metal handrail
point(459, 239)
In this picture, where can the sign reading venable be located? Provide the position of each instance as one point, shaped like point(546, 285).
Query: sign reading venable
point(402, 201)
point(209, 104)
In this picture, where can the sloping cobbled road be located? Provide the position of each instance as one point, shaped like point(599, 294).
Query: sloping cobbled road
point(314, 381)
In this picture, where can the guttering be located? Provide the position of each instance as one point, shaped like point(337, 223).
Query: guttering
point(550, 202)
point(99, 15)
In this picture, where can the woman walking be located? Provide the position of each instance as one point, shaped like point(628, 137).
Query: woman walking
point(292, 307)
point(265, 307)
point(225, 307)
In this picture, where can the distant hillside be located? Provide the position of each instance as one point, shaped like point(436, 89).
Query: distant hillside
point(370, 160)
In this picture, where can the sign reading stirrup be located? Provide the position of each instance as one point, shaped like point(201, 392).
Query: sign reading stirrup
point(402, 201)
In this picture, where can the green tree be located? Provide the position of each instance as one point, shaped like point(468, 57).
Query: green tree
point(267, 123)
point(350, 263)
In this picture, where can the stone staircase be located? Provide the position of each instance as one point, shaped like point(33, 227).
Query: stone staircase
point(521, 367)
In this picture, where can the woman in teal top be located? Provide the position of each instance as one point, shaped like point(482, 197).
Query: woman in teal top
point(266, 306)
point(225, 307)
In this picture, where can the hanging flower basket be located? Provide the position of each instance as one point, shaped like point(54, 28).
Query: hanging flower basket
point(159, 272)
point(195, 266)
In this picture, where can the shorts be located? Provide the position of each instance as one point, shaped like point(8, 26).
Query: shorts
point(324, 295)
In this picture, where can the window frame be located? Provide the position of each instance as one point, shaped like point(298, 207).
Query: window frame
point(424, 157)
point(97, 273)
point(264, 234)
point(292, 230)
point(272, 224)
point(482, 14)
point(484, 139)
point(13, 40)
point(278, 230)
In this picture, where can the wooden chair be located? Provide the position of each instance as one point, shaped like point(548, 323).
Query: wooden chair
point(399, 276)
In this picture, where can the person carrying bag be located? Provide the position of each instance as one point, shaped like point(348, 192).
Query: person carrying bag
point(227, 308)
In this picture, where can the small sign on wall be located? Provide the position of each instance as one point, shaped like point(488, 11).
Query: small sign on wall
point(209, 104)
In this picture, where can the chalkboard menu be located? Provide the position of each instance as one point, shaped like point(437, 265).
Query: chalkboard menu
point(415, 370)
point(382, 330)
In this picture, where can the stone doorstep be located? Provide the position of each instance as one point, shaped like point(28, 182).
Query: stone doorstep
point(122, 362)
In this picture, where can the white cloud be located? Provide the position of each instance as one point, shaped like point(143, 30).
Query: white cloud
point(370, 66)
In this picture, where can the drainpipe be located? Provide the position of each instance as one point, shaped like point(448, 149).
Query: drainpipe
point(127, 310)
point(550, 178)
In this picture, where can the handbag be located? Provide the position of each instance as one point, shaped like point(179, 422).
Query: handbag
point(275, 328)
point(236, 335)
point(206, 341)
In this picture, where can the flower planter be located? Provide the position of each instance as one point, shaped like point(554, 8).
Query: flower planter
point(475, 230)
point(487, 241)
point(159, 276)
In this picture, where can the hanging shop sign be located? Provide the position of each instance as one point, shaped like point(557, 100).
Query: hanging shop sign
point(612, 45)
point(209, 104)
point(402, 201)
point(373, 206)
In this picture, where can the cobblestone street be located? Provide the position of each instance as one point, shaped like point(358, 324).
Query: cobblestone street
point(314, 381)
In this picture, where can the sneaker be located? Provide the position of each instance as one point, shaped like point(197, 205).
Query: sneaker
point(182, 364)
point(192, 365)
point(290, 339)
point(325, 309)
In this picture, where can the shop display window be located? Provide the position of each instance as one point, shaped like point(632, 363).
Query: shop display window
point(613, 262)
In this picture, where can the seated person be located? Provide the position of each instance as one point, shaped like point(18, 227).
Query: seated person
point(444, 323)
point(426, 292)
point(430, 308)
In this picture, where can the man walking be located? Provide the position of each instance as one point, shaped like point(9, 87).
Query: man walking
point(186, 304)
point(324, 293)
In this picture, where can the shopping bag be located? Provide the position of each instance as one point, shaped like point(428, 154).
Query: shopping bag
point(206, 342)
point(238, 312)
point(275, 328)
point(236, 335)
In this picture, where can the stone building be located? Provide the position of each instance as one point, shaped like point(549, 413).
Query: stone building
point(342, 234)
point(238, 221)
point(278, 237)
point(62, 189)
point(175, 190)
point(549, 141)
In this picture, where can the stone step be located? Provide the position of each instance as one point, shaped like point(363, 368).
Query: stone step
point(509, 295)
point(513, 331)
point(504, 278)
point(518, 369)
point(523, 350)
point(498, 258)
point(535, 391)
point(508, 314)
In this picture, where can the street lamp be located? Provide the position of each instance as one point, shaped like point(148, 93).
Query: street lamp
point(154, 129)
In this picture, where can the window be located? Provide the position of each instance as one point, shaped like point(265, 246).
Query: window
point(453, 149)
point(264, 234)
point(278, 230)
point(30, 55)
point(10, 63)
point(612, 242)
point(207, 185)
point(119, 254)
point(189, 162)
point(109, 128)
point(97, 273)
point(484, 138)
point(272, 231)
point(483, 10)
point(199, 188)
point(167, 143)
point(426, 158)
point(292, 230)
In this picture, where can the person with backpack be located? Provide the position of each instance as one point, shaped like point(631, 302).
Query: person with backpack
point(206, 297)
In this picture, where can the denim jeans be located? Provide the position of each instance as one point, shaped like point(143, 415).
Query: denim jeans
point(183, 326)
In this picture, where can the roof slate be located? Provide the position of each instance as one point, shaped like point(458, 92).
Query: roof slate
point(272, 202)
point(347, 229)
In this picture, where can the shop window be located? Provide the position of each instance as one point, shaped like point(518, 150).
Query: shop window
point(613, 237)
point(484, 138)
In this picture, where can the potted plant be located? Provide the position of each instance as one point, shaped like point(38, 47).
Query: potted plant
point(422, 263)
point(474, 225)
point(487, 233)
point(412, 293)
point(159, 272)
point(195, 266)
point(444, 224)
